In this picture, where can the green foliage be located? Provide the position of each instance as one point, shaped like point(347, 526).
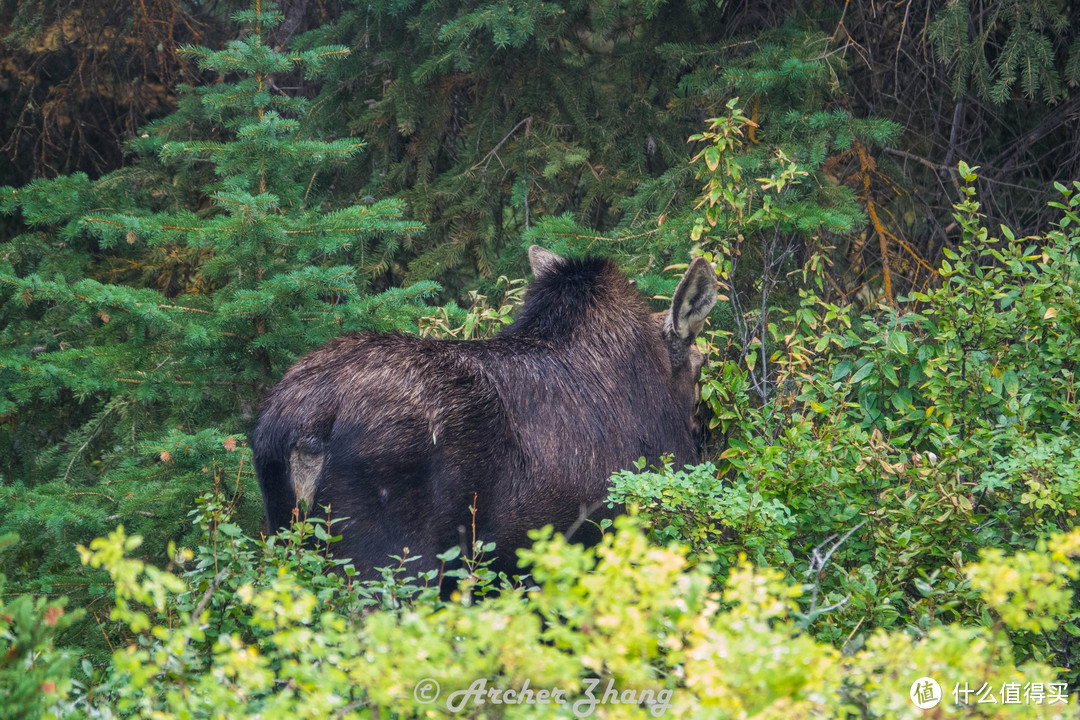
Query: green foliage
point(226, 637)
point(781, 198)
point(1031, 591)
point(474, 120)
point(144, 314)
point(794, 128)
point(34, 674)
point(482, 320)
point(714, 518)
point(896, 448)
point(1008, 46)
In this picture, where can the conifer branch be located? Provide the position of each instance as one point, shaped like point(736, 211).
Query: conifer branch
point(487, 158)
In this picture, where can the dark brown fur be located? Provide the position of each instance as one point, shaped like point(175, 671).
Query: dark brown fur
point(400, 433)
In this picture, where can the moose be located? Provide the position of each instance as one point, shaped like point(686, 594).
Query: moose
point(415, 440)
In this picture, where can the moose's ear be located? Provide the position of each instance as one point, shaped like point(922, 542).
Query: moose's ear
point(543, 262)
point(693, 299)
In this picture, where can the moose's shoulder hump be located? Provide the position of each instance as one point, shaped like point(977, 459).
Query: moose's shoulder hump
point(576, 293)
point(571, 273)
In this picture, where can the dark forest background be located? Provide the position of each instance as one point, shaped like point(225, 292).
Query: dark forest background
point(487, 118)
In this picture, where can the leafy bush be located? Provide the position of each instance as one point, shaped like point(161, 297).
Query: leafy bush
point(896, 446)
point(34, 674)
point(232, 637)
point(713, 517)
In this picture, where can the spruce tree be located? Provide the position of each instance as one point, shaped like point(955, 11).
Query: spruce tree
point(145, 313)
point(489, 116)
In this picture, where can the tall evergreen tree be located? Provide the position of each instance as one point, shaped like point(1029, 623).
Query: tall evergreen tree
point(489, 116)
point(144, 314)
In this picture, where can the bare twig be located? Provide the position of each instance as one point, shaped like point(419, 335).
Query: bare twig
point(487, 158)
point(582, 518)
point(818, 561)
point(205, 600)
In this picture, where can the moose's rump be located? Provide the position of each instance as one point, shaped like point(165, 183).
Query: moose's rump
point(397, 434)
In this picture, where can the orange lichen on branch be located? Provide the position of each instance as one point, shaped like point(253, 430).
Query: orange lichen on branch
point(348, 230)
point(330, 53)
point(204, 148)
point(180, 228)
point(867, 168)
point(753, 124)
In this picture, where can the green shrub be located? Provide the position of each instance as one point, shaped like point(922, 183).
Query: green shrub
point(34, 673)
point(695, 506)
point(231, 637)
point(896, 446)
